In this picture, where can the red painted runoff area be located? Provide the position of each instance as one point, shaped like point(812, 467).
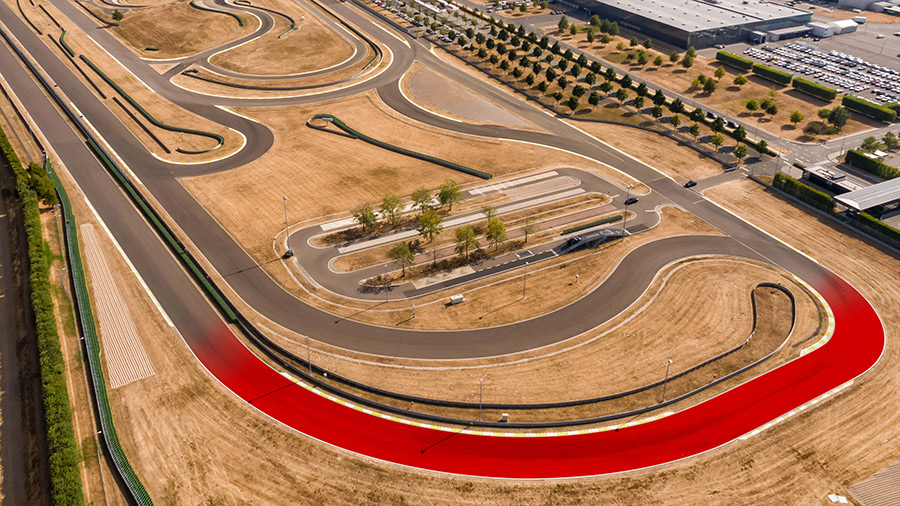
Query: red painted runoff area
point(856, 345)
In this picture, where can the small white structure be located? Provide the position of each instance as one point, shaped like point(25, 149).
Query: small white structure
point(456, 299)
point(860, 20)
point(821, 30)
point(844, 26)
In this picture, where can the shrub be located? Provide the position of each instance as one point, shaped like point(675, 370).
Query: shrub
point(870, 165)
point(808, 194)
point(771, 74)
point(734, 60)
point(870, 109)
point(815, 89)
point(876, 225)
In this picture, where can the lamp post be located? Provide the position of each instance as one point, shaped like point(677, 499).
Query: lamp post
point(625, 216)
point(524, 279)
point(287, 232)
point(666, 381)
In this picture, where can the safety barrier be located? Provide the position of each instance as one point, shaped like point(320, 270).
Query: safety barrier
point(218, 138)
point(62, 42)
point(596, 223)
point(390, 147)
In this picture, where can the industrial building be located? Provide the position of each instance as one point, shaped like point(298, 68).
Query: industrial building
point(698, 23)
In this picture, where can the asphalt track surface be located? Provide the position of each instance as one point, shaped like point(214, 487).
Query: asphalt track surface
point(856, 345)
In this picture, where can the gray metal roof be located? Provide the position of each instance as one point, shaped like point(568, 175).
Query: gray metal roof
point(872, 196)
point(694, 15)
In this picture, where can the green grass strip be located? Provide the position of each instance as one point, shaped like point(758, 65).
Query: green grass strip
point(92, 344)
point(145, 114)
point(403, 151)
point(65, 476)
point(596, 223)
point(164, 232)
point(199, 7)
point(62, 42)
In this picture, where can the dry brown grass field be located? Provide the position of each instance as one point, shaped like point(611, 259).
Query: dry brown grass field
point(312, 46)
point(177, 29)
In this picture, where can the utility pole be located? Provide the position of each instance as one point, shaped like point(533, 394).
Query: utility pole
point(666, 381)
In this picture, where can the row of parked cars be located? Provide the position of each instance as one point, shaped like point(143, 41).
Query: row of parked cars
point(824, 68)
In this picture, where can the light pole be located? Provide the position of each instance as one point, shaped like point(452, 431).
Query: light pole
point(524, 279)
point(480, 396)
point(625, 216)
point(666, 381)
point(287, 232)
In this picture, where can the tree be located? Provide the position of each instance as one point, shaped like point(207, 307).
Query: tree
point(542, 86)
point(638, 102)
point(620, 46)
point(796, 117)
point(572, 103)
point(523, 8)
point(823, 113)
point(563, 82)
point(719, 73)
point(633, 42)
point(839, 117)
point(658, 61)
point(117, 15)
point(691, 52)
point(557, 96)
point(614, 29)
point(696, 83)
point(890, 141)
point(430, 224)
point(42, 185)
point(517, 73)
point(659, 98)
point(642, 90)
point(762, 147)
point(687, 62)
point(717, 140)
point(465, 239)
point(563, 23)
point(674, 57)
point(422, 199)
point(482, 53)
point(578, 90)
point(643, 58)
point(494, 59)
point(772, 110)
point(717, 125)
point(576, 70)
point(676, 121)
point(626, 81)
point(391, 208)
point(595, 20)
point(657, 111)
point(590, 36)
point(606, 39)
point(696, 115)
point(606, 86)
point(590, 78)
point(740, 80)
point(752, 105)
point(739, 133)
point(709, 86)
point(740, 151)
point(870, 144)
point(647, 43)
point(695, 131)
point(572, 30)
point(496, 232)
point(449, 194)
point(676, 106)
point(594, 99)
point(551, 74)
point(622, 94)
point(610, 74)
point(403, 255)
point(504, 65)
point(365, 216)
point(488, 212)
point(480, 38)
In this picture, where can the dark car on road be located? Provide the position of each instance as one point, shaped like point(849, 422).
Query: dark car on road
point(632, 200)
point(690, 184)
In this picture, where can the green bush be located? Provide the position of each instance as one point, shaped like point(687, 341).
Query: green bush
point(859, 160)
point(734, 60)
point(808, 194)
point(894, 106)
point(870, 109)
point(815, 89)
point(65, 477)
point(876, 225)
point(771, 74)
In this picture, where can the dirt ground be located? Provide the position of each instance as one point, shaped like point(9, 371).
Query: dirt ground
point(304, 167)
point(667, 155)
point(178, 30)
point(312, 46)
point(727, 97)
point(161, 109)
point(871, 17)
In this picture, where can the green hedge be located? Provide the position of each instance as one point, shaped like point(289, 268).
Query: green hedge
point(403, 151)
point(65, 477)
point(602, 221)
point(734, 60)
point(876, 225)
point(807, 193)
point(870, 109)
point(894, 106)
point(218, 138)
point(62, 42)
point(815, 89)
point(199, 7)
point(775, 75)
point(859, 160)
